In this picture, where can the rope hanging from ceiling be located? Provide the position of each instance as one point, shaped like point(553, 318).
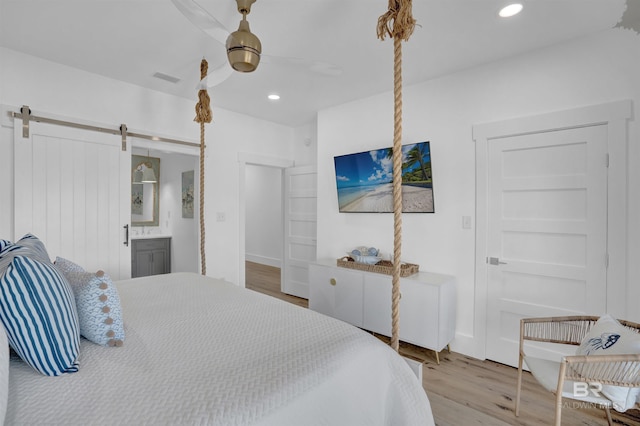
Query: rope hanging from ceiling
point(397, 23)
point(203, 115)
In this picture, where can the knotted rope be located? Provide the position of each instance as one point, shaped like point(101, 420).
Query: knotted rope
point(397, 23)
point(203, 115)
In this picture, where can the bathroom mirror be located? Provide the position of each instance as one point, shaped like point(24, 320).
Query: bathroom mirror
point(145, 190)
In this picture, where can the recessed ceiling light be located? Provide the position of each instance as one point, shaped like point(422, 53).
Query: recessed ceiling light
point(510, 10)
point(273, 97)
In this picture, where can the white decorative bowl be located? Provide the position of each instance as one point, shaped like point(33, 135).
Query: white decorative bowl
point(368, 260)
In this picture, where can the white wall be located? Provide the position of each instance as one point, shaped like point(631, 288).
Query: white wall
point(264, 221)
point(593, 70)
point(50, 88)
point(184, 232)
point(305, 144)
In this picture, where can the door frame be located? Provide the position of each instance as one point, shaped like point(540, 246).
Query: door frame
point(245, 158)
point(614, 115)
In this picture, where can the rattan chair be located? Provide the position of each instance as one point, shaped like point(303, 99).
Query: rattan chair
point(558, 377)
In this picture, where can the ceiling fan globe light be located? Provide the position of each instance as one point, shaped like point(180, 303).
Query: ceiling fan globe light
point(243, 49)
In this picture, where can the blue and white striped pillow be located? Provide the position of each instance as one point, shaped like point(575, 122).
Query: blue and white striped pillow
point(29, 245)
point(38, 311)
point(4, 244)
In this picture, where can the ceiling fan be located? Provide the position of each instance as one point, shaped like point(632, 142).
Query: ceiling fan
point(244, 49)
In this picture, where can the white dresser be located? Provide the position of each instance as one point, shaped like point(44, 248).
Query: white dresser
point(427, 304)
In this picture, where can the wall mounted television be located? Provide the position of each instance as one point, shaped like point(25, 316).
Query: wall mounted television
point(364, 180)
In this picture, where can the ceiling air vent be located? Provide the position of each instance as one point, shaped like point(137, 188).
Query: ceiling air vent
point(166, 77)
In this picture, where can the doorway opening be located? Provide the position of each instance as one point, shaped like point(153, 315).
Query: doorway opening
point(181, 226)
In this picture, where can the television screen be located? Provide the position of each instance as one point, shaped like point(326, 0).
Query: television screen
point(365, 180)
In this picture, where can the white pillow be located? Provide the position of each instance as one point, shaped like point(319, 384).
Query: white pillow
point(609, 337)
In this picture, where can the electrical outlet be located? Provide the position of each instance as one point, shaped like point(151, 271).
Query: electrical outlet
point(221, 216)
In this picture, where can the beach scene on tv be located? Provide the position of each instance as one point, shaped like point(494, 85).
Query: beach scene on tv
point(364, 180)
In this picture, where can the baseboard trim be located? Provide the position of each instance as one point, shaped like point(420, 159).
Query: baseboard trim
point(466, 345)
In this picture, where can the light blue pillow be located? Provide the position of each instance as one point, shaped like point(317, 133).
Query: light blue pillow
point(98, 303)
point(38, 312)
point(66, 266)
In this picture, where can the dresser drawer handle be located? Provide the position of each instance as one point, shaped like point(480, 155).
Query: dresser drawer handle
point(332, 281)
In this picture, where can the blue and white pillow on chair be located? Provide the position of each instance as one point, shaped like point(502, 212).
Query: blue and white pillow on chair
point(609, 337)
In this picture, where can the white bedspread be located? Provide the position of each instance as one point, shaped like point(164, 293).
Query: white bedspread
point(200, 351)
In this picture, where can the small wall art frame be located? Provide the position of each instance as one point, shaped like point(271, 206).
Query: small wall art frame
point(188, 196)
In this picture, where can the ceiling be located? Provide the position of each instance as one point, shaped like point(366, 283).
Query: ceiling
point(130, 40)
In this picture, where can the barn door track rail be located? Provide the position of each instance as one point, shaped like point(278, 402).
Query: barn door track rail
point(26, 116)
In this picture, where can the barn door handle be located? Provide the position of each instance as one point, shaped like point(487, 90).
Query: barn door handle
point(126, 235)
point(495, 261)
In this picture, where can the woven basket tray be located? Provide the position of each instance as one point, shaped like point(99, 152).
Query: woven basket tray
point(382, 267)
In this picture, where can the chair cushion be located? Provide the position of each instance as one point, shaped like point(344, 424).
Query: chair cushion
point(546, 373)
point(609, 337)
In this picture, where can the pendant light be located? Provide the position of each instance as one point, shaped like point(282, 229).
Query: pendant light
point(148, 176)
point(137, 177)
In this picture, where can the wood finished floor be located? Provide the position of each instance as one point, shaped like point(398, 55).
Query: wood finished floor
point(467, 391)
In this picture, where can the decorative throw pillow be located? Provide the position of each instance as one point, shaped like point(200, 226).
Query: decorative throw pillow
point(4, 244)
point(98, 303)
point(38, 312)
point(4, 374)
point(29, 245)
point(66, 266)
point(609, 337)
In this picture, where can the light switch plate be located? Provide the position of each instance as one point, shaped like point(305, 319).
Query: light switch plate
point(466, 222)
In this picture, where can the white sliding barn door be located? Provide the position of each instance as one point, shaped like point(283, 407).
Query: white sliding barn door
point(72, 190)
point(300, 194)
point(547, 231)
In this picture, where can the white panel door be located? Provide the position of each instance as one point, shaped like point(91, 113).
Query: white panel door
point(72, 191)
point(547, 238)
point(300, 201)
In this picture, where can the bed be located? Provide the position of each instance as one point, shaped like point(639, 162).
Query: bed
point(202, 351)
